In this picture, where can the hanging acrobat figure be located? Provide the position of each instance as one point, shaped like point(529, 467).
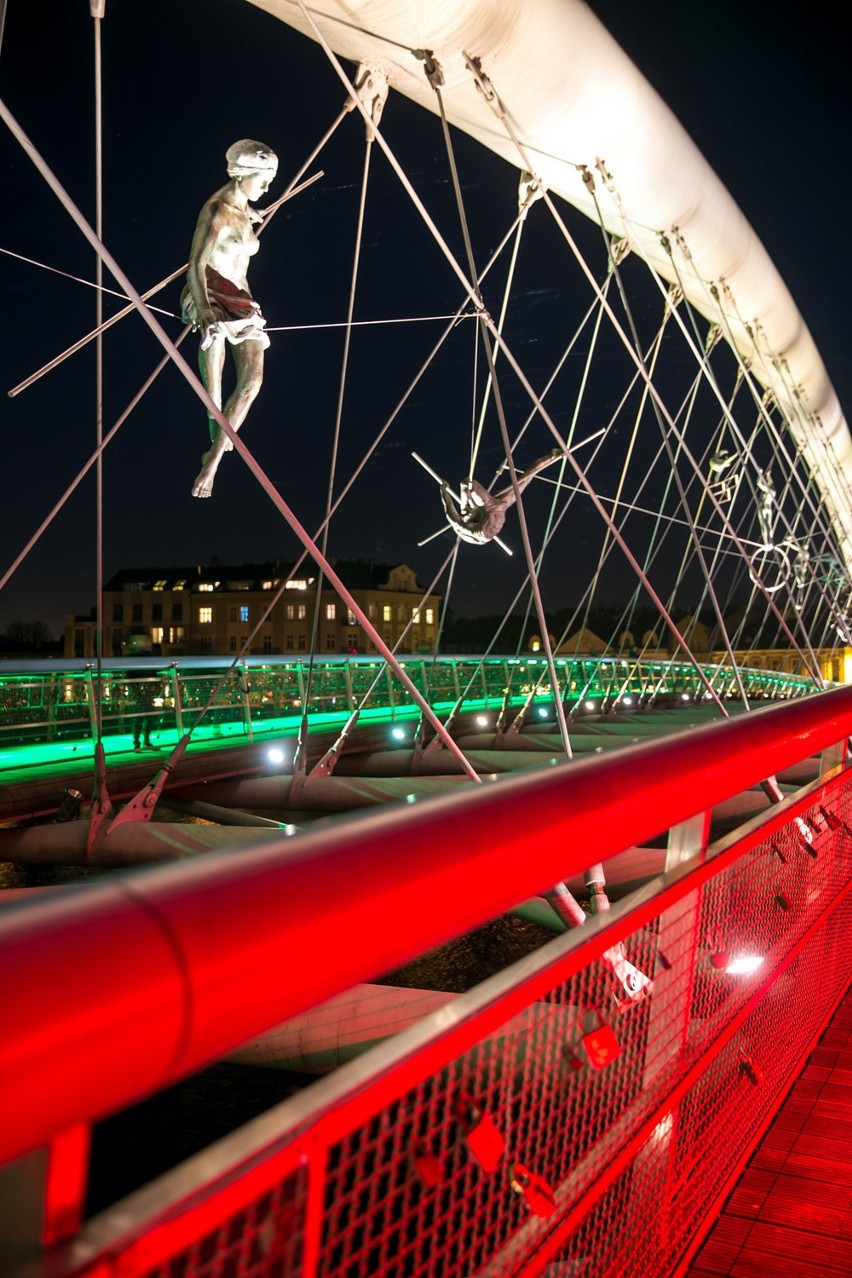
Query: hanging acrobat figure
point(216, 299)
point(723, 479)
point(766, 505)
point(480, 515)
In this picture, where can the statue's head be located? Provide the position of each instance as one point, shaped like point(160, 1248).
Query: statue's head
point(247, 156)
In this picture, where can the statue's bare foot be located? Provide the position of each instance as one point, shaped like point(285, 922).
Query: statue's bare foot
point(224, 440)
point(203, 486)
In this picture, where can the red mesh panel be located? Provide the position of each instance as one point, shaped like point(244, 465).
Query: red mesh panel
point(571, 1132)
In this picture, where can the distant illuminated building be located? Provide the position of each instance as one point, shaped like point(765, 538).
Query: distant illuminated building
point(220, 609)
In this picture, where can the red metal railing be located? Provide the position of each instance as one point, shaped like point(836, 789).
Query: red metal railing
point(485, 1137)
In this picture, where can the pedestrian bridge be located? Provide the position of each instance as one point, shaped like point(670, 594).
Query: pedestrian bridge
point(47, 714)
point(585, 1107)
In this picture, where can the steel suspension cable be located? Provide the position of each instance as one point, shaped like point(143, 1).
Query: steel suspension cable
point(291, 191)
point(501, 320)
point(87, 466)
point(578, 399)
point(490, 95)
point(356, 256)
point(712, 294)
point(486, 331)
point(97, 12)
point(453, 321)
point(214, 411)
point(662, 426)
point(474, 297)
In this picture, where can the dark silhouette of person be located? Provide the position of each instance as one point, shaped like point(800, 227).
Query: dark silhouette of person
point(146, 717)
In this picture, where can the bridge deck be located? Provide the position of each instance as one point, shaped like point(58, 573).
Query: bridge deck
point(791, 1209)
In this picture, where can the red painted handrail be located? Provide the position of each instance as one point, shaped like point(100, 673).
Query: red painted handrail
point(115, 991)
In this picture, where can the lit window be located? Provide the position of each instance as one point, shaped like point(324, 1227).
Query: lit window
point(160, 585)
point(297, 583)
point(243, 612)
point(205, 616)
point(430, 616)
point(386, 612)
point(301, 611)
point(268, 585)
point(415, 616)
point(205, 585)
point(290, 611)
point(330, 611)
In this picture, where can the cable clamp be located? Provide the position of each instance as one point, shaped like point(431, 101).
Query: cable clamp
point(432, 67)
point(484, 85)
point(371, 91)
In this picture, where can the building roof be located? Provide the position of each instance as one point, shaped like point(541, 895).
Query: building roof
point(355, 574)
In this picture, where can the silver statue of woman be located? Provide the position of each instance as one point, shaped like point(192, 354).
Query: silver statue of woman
point(216, 300)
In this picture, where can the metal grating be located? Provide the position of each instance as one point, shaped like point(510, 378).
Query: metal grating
point(263, 1239)
point(561, 1128)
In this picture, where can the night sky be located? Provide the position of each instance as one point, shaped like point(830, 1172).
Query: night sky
point(760, 88)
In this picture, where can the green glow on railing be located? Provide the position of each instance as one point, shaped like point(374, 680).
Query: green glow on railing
point(47, 716)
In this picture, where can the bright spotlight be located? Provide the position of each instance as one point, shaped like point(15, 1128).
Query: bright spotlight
point(662, 1131)
point(542, 712)
point(628, 701)
point(398, 734)
point(482, 720)
point(744, 964)
point(275, 754)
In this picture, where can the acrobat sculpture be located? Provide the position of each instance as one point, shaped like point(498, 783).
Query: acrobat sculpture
point(480, 515)
point(216, 300)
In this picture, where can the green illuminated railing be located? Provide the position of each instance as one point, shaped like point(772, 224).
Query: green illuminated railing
point(48, 707)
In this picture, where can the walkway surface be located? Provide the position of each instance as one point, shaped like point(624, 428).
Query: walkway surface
point(791, 1211)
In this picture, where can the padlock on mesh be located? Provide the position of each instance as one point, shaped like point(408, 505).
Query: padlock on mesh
point(534, 1190)
point(598, 1039)
point(429, 1167)
point(480, 1132)
point(750, 1069)
point(831, 819)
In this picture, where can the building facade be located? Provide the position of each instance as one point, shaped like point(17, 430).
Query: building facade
point(257, 609)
